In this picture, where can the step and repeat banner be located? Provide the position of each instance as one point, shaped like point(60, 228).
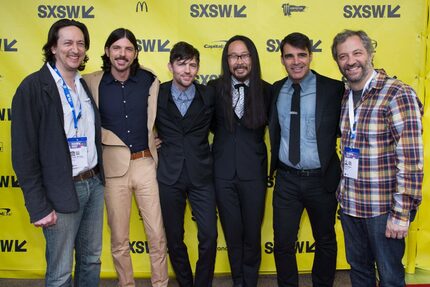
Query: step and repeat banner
point(399, 29)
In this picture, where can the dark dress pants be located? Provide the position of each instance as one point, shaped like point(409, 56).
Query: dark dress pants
point(241, 209)
point(292, 194)
point(202, 200)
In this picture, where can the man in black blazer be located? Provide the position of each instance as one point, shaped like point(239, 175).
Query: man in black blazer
point(56, 154)
point(303, 130)
point(184, 114)
point(240, 156)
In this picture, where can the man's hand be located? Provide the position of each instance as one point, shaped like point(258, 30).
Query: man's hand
point(395, 231)
point(47, 221)
point(158, 142)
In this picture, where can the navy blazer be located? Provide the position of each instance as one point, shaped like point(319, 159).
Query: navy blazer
point(40, 152)
point(329, 94)
point(185, 139)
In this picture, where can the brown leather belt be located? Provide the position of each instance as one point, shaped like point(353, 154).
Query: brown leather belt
point(87, 174)
point(140, 154)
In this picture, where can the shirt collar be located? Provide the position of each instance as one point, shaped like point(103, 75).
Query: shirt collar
point(304, 83)
point(189, 92)
point(235, 81)
point(58, 79)
point(109, 79)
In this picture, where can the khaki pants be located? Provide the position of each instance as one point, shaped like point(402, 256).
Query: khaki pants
point(141, 180)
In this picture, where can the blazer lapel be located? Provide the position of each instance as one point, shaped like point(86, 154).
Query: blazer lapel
point(51, 89)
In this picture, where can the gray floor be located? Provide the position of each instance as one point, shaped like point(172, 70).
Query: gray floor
point(342, 280)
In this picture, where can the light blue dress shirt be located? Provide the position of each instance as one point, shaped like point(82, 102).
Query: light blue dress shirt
point(183, 99)
point(309, 158)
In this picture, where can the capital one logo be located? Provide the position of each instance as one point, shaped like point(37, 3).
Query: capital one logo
point(141, 6)
point(288, 9)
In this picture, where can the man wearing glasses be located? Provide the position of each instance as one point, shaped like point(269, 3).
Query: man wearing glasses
point(240, 156)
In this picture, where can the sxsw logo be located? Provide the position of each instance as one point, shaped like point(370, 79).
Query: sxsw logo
point(141, 6)
point(289, 9)
point(5, 212)
point(8, 181)
point(11, 245)
point(273, 45)
point(216, 44)
point(5, 114)
point(371, 11)
point(218, 11)
point(153, 45)
point(65, 11)
point(139, 247)
point(8, 45)
point(301, 247)
point(205, 78)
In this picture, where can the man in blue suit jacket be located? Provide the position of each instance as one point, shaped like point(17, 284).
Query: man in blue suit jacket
point(303, 129)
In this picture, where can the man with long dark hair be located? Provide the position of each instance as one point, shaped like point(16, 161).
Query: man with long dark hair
point(127, 98)
point(303, 132)
point(240, 156)
point(56, 154)
point(184, 115)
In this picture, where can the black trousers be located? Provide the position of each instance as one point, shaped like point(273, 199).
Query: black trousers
point(292, 194)
point(202, 200)
point(241, 209)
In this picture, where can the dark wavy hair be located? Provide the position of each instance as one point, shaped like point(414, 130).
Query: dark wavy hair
point(115, 36)
point(255, 114)
point(184, 51)
point(49, 57)
point(341, 37)
point(297, 40)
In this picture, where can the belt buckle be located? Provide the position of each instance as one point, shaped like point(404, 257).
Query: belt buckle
point(304, 172)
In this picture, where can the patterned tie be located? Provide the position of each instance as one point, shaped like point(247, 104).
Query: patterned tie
point(294, 148)
point(239, 103)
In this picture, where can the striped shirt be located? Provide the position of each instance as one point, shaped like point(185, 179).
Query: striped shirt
point(389, 137)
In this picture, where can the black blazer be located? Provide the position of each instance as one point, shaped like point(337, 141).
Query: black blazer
point(329, 94)
point(40, 153)
point(241, 151)
point(185, 139)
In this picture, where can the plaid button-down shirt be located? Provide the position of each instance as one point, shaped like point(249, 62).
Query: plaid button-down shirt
point(389, 137)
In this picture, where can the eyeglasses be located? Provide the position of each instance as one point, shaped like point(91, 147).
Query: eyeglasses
point(243, 57)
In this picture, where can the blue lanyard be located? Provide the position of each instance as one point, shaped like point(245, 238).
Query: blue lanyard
point(70, 101)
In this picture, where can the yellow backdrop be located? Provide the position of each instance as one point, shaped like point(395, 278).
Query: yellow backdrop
point(400, 28)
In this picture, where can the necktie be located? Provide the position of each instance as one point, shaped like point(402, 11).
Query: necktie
point(294, 148)
point(239, 100)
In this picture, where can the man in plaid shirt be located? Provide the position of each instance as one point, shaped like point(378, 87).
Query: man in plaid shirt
point(382, 163)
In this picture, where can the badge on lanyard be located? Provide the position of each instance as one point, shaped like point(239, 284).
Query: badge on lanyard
point(351, 157)
point(78, 152)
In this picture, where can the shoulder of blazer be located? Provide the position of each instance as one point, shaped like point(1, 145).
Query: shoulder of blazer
point(93, 78)
point(207, 93)
point(326, 80)
point(276, 86)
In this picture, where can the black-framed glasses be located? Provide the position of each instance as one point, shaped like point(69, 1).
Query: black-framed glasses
point(243, 57)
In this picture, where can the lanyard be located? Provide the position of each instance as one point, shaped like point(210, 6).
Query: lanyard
point(70, 101)
point(351, 115)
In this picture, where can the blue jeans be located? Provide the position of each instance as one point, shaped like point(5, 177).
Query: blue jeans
point(80, 232)
point(366, 244)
